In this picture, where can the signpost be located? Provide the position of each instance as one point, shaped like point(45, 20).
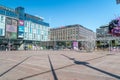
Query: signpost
point(117, 1)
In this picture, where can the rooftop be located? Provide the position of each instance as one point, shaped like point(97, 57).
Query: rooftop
point(69, 26)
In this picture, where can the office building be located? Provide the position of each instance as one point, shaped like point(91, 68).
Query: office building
point(71, 36)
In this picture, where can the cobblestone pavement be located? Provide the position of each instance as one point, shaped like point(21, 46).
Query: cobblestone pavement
point(59, 65)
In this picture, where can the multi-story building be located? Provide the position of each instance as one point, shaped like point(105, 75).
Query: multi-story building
point(71, 34)
point(104, 39)
point(18, 28)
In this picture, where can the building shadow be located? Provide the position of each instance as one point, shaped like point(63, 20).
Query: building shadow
point(33, 75)
point(75, 62)
point(14, 66)
point(89, 66)
point(52, 69)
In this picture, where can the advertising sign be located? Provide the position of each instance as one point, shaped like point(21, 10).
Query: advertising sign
point(21, 22)
point(21, 29)
point(11, 28)
point(75, 45)
point(11, 35)
point(21, 34)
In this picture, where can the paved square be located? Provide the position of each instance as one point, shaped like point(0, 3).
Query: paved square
point(59, 65)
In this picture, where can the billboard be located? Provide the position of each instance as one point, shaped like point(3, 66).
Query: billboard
point(21, 22)
point(114, 27)
point(75, 45)
point(21, 29)
point(21, 34)
point(11, 28)
point(11, 35)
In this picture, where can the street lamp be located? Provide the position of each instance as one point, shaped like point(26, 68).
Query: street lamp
point(54, 41)
point(9, 45)
point(105, 32)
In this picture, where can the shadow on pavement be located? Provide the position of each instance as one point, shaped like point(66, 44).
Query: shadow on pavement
point(14, 66)
point(45, 72)
point(75, 62)
point(52, 69)
point(87, 65)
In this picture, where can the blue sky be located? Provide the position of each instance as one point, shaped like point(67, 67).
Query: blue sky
point(89, 13)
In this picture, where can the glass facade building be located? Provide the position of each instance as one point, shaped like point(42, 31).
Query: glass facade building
point(2, 25)
point(34, 31)
point(19, 29)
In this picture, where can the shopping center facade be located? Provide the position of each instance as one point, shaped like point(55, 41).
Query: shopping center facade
point(20, 30)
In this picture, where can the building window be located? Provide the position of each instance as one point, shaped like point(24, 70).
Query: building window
point(42, 27)
point(14, 22)
point(25, 35)
point(38, 31)
point(2, 19)
point(1, 32)
point(42, 37)
point(35, 26)
point(9, 21)
point(25, 24)
point(33, 36)
point(30, 29)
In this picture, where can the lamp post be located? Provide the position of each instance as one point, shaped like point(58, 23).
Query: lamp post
point(9, 44)
point(105, 32)
point(54, 42)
